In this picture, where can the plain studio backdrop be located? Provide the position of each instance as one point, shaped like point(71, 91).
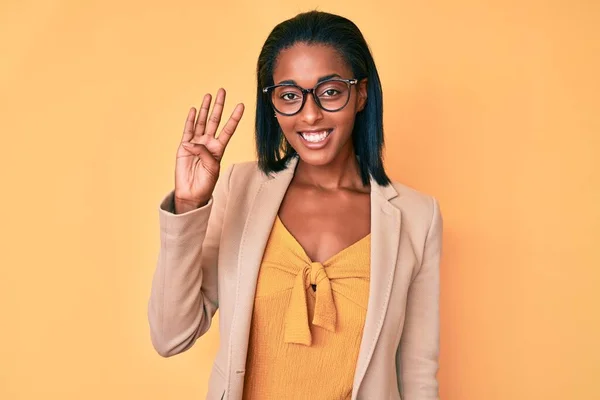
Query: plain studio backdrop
point(490, 106)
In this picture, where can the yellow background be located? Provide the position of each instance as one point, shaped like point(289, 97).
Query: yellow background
point(492, 106)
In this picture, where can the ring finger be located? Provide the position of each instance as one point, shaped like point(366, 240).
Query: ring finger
point(201, 121)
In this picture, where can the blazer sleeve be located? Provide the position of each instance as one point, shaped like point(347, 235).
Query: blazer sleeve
point(417, 355)
point(184, 294)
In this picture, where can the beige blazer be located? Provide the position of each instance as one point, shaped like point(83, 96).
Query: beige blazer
point(209, 258)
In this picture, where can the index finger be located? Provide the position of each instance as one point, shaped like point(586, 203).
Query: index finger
point(231, 125)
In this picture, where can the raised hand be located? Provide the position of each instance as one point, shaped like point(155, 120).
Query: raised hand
point(199, 155)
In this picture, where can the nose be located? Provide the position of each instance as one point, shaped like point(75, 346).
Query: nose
point(311, 112)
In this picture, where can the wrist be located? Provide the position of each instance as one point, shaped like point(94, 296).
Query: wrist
point(183, 206)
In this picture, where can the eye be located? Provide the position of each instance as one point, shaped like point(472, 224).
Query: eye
point(289, 96)
point(331, 89)
point(330, 92)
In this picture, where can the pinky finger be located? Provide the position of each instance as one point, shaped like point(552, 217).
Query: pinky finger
point(188, 129)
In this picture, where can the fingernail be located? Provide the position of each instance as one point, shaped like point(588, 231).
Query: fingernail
point(187, 144)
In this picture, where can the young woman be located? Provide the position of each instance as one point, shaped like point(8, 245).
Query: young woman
point(325, 273)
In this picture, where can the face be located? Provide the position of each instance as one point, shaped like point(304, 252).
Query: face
point(304, 65)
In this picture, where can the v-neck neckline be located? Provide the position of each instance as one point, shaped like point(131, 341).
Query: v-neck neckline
point(345, 249)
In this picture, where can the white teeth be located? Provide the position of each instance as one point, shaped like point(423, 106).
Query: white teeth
point(315, 137)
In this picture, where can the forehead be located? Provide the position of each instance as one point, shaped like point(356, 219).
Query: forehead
point(305, 64)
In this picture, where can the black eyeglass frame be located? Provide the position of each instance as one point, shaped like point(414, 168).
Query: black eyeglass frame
point(348, 82)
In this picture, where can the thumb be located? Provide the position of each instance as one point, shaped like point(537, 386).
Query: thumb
point(188, 145)
point(200, 150)
point(194, 148)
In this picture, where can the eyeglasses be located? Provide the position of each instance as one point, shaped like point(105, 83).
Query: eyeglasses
point(330, 95)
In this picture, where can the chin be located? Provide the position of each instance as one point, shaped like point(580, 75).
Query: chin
point(316, 158)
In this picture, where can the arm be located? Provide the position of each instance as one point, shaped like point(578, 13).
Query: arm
point(417, 355)
point(184, 295)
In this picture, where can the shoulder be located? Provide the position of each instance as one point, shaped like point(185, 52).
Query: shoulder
point(246, 169)
point(245, 173)
point(244, 177)
point(408, 195)
point(418, 208)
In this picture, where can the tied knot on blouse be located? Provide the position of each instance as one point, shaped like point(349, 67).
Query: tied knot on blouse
point(342, 283)
point(296, 322)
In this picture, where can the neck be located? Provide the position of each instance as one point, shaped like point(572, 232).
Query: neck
point(342, 173)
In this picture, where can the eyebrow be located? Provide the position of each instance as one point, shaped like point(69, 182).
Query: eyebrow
point(321, 79)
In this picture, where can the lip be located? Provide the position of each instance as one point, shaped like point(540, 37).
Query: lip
point(319, 145)
point(315, 130)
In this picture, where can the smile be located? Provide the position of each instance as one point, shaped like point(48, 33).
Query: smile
point(315, 137)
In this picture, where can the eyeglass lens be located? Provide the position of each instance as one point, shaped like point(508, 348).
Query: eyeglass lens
point(332, 95)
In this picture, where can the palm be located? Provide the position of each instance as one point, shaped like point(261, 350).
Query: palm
point(197, 168)
point(192, 176)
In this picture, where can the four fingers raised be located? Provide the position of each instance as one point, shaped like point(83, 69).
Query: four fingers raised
point(197, 127)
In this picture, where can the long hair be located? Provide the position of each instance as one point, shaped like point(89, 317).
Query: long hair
point(314, 28)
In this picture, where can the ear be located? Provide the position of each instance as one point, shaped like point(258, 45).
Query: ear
point(361, 87)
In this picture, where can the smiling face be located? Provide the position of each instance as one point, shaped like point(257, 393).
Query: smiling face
point(318, 136)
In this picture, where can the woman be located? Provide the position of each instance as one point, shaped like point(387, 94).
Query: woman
point(326, 274)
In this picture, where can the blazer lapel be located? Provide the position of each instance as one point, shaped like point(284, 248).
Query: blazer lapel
point(385, 239)
point(257, 229)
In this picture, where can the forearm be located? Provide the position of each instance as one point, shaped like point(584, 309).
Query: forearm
point(177, 310)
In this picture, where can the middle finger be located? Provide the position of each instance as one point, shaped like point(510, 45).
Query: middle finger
point(215, 115)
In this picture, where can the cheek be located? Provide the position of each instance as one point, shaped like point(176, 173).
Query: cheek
point(346, 119)
point(286, 125)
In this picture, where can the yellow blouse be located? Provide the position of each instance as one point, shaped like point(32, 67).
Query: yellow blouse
point(288, 356)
